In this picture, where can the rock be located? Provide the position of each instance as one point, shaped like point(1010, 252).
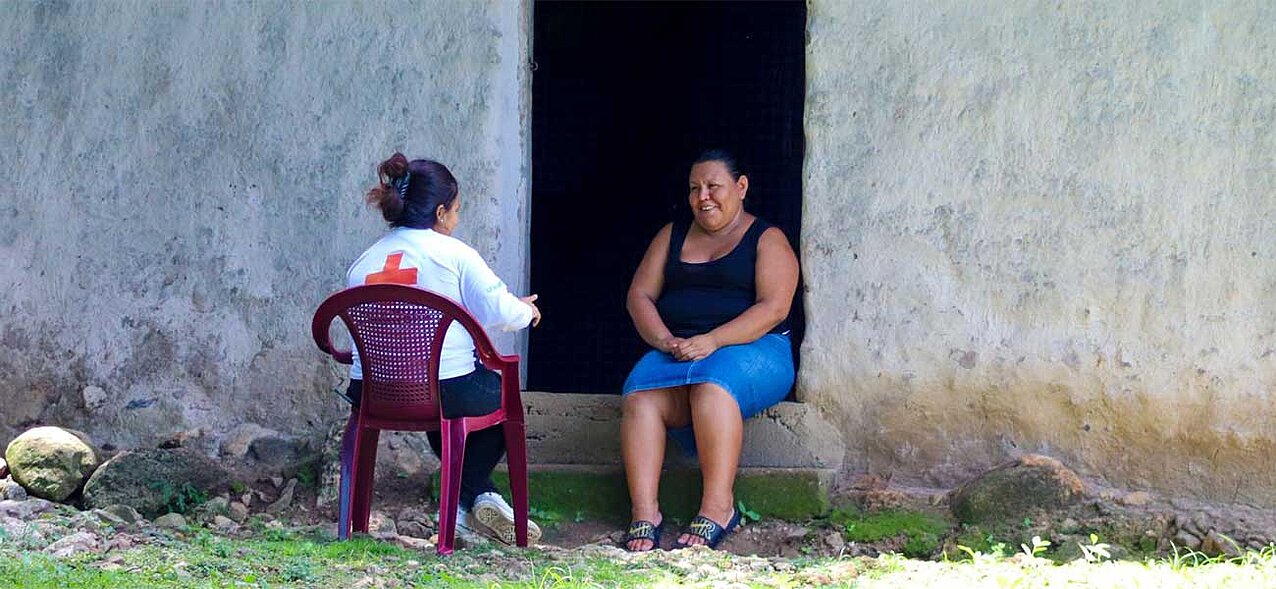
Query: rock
point(109, 518)
point(74, 544)
point(285, 498)
point(11, 490)
point(413, 528)
point(1185, 539)
point(834, 540)
point(94, 397)
point(381, 527)
point(216, 506)
point(238, 512)
point(277, 481)
point(1009, 491)
point(1136, 499)
point(51, 462)
point(26, 510)
point(239, 440)
point(4, 468)
point(1214, 544)
point(183, 439)
point(127, 514)
point(276, 452)
point(173, 521)
point(154, 481)
point(224, 525)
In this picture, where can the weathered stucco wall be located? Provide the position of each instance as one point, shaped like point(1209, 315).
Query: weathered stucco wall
point(1046, 227)
point(182, 184)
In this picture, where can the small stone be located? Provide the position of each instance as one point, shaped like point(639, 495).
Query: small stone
point(4, 468)
point(796, 532)
point(224, 525)
point(412, 543)
point(26, 510)
point(1215, 543)
point(1196, 525)
point(74, 544)
point(413, 528)
point(834, 540)
point(414, 514)
point(247, 499)
point(277, 481)
point(381, 527)
point(285, 498)
point(172, 521)
point(124, 512)
point(238, 512)
point(1136, 499)
point(216, 506)
point(1069, 526)
point(109, 518)
point(1185, 539)
point(12, 491)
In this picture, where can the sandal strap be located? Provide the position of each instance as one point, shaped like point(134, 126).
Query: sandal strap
point(642, 530)
point(705, 528)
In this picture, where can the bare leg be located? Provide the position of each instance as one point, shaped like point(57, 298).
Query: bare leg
point(646, 415)
point(719, 448)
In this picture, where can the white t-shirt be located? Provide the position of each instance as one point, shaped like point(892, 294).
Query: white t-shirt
point(444, 265)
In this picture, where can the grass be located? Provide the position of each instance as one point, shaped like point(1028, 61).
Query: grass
point(920, 532)
point(284, 558)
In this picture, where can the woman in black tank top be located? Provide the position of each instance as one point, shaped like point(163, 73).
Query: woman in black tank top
point(711, 297)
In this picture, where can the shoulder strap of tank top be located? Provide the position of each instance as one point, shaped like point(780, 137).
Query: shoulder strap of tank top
point(677, 236)
point(754, 234)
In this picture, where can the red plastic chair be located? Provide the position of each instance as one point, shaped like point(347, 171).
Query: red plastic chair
point(398, 331)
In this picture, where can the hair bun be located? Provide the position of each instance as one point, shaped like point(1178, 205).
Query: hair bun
point(395, 167)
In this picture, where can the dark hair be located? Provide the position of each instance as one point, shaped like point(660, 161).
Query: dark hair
point(429, 184)
point(725, 157)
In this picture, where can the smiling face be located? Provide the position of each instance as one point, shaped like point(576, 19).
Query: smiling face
point(716, 198)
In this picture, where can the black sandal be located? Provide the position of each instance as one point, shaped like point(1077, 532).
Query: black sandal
point(711, 531)
point(643, 530)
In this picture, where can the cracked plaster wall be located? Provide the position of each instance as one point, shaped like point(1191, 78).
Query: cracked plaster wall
point(1045, 227)
point(181, 184)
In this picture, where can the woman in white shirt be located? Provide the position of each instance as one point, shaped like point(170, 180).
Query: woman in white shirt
point(421, 202)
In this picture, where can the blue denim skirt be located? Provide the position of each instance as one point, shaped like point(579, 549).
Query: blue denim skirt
point(757, 375)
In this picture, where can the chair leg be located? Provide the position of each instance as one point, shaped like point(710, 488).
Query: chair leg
point(347, 467)
point(452, 436)
point(516, 457)
point(365, 467)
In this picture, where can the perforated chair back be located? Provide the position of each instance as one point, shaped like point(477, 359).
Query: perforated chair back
point(399, 345)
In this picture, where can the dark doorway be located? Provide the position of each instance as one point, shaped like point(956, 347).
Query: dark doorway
point(624, 96)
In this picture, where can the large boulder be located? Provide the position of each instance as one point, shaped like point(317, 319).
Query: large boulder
point(155, 482)
point(1014, 489)
point(51, 462)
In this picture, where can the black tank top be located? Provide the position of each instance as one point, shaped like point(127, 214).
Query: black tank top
point(697, 298)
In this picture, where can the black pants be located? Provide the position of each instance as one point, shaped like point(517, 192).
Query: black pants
point(477, 393)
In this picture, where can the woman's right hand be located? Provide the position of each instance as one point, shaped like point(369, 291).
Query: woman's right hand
point(536, 312)
point(670, 344)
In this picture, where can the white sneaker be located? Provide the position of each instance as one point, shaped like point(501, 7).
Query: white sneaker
point(465, 530)
point(492, 512)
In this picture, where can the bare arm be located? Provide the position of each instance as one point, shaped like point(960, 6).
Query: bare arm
point(647, 284)
point(776, 276)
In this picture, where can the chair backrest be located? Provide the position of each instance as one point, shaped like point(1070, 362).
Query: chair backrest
point(398, 331)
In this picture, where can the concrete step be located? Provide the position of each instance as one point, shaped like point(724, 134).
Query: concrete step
point(574, 491)
point(566, 429)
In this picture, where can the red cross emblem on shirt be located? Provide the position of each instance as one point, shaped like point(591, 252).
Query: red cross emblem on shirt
point(391, 273)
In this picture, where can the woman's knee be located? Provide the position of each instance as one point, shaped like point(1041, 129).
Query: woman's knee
point(669, 405)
